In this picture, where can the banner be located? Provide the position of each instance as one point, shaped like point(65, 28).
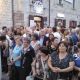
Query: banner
point(39, 0)
point(38, 6)
point(70, 1)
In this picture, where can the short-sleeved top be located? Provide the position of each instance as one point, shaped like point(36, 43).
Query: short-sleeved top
point(52, 50)
point(62, 64)
point(76, 60)
point(17, 52)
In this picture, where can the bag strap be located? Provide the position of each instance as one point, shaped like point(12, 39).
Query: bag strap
point(43, 66)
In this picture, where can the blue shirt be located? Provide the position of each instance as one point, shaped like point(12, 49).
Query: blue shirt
point(74, 38)
point(41, 41)
point(17, 52)
point(76, 60)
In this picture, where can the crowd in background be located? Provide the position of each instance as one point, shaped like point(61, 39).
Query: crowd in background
point(46, 54)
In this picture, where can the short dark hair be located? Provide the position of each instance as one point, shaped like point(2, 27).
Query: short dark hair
point(62, 42)
point(22, 27)
point(54, 29)
point(4, 27)
point(44, 50)
point(51, 34)
point(36, 36)
point(78, 26)
point(27, 39)
point(2, 37)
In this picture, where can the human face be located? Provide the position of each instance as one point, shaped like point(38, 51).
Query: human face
point(42, 33)
point(42, 54)
point(49, 30)
point(62, 47)
point(9, 33)
point(22, 28)
point(33, 38)
point(51, 36)
point(18, 41)
point(5, 29)
point(18, 30)
point(56, 42)
point(25, 43)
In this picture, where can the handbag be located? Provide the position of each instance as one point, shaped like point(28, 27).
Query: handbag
point(30, 77)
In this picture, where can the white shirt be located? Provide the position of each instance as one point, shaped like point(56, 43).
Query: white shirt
point(37, 32)
point(35, 46)
point(57, 34)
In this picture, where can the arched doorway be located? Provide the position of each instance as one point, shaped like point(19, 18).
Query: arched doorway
point(37, 20)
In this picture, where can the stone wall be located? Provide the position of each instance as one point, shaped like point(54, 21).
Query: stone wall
point(24, 8)
point(55, 8)
point(5, 13)
point(67, 10)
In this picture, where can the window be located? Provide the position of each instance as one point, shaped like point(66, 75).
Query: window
point(69, 1)
point(73, 4)
point(60, 22)
point(60, 2)
point(72, 24)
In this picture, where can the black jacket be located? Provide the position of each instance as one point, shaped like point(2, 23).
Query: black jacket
point(27, 59)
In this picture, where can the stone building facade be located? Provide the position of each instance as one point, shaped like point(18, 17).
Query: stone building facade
point(5, 13)
point(70, 12)
point(23, 13)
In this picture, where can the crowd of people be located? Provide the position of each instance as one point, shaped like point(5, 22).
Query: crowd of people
point(46, 54)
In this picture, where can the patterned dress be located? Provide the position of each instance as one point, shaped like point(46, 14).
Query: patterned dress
point(62, 64)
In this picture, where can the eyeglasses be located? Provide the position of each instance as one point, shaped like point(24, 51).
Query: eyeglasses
point(25, 42)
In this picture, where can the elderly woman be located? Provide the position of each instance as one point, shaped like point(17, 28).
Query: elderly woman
point(61, 63)
point(27, 57)
point(40, 66)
